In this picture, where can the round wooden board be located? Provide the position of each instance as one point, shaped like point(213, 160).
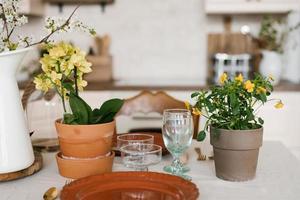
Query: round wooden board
point(35, 167)
point(46, 145)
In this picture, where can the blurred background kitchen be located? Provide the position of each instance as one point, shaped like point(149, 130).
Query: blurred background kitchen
point(179, 47)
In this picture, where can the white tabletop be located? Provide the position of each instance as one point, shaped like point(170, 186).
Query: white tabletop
point(278, 177)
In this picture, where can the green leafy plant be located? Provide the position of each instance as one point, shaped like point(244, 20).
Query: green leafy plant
point(234, 104)
point(272, 34)
point(82, 113)
point(63, 68)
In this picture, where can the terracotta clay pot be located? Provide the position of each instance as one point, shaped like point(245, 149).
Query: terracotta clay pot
point(78, 168)
point(236, 152)
point(85, 141)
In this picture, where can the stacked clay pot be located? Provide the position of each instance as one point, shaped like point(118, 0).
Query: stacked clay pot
point(85, 149)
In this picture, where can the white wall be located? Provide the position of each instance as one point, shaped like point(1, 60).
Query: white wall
point(150, 38)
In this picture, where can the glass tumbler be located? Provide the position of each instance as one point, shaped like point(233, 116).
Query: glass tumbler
point(140, 156)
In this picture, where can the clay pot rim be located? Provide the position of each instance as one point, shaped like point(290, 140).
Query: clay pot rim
point(58, 121)
point(237, 130)
point(80, 160)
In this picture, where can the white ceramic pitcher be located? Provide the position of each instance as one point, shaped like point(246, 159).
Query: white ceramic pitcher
point(15, 145)
point(271, 65)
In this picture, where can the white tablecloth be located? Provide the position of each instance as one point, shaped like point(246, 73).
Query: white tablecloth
point(278, 177)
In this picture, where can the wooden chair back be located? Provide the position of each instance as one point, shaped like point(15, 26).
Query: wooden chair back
point(147, 102)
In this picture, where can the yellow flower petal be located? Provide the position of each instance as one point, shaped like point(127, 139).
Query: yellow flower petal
point(187, 105)
point(279, 105)
point(59, 63)
point(55, 76)
point(81, 84)
point(239, 78)
point(261, 90)
point(196, 111)
point(42, 83)
point(223, 78)
point(57, 52)
point(249, 86)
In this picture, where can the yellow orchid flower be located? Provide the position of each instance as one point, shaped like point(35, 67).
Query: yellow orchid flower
point(279, 105)
point(249, 86)
point(55, 76)
point(78, 60)
point(85, 67)
point(223, 78)
point(42, 83)
point(48, 63)
point(196, 111)
point(58, 66)
point(57, 51)
point(239, 78)
point(187, 105)
point(81, 84)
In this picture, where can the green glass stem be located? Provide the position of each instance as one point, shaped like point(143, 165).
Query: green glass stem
point(177, 166)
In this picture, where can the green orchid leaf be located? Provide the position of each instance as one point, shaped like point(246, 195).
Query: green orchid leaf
point(109, 109)
point(87, 107)
point(69, 119)
point(69, 87)
point(112, 105)
point(108, 118)
point(96, 117)
point(80, 109)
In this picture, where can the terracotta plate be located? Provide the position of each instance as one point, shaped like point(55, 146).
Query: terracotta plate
point(157, 140)
point(129, 186)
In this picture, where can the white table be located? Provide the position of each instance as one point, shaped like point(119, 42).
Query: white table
point(278, 177)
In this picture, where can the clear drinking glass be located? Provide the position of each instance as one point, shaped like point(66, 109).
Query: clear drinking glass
point(177, 135)
point(140, 156)
point(134, 138)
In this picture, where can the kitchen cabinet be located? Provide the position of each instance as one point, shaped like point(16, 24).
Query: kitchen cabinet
point(250, 6)
point(32, 7)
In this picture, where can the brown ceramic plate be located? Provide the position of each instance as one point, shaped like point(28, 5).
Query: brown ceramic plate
point(157, 140)
point(129, 186)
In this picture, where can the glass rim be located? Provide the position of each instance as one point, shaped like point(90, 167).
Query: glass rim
point(158, 149)
point(150, 137)
point(177, 110)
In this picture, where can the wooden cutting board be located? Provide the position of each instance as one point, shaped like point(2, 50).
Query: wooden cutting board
point(231, 43)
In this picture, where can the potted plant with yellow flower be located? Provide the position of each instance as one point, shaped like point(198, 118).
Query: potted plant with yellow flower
point(18, 153)
point(236, 131)
point(85, 135)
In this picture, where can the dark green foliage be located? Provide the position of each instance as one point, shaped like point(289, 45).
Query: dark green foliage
point(201, 136)
point(83, 114)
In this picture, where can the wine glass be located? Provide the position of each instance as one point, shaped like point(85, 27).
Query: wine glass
point(139, 156)
point(177, 135)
